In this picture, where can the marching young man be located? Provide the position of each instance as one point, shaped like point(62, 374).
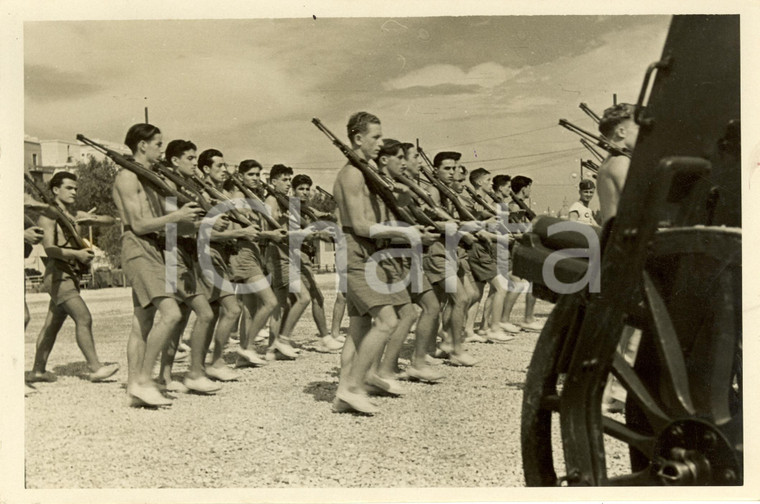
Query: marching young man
point(142, 257)
point(372, 306)
point(63, 271)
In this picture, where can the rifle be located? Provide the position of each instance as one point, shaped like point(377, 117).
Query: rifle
point(376, 183)
point(325, 193)
point(192, 190)
point(284, 202)
point(144, 174)
point(591, 149)
point(69, 226)
point(253, 196)
point(477, 198)
point(599, 140)
point(236, 215)
point(443, 189)
point(593, 115)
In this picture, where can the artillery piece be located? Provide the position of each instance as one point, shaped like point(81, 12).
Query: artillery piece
point(671, 269)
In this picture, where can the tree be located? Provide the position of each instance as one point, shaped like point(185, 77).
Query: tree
point(94, 183)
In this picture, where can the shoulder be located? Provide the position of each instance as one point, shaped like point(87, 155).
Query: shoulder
point(125, 178)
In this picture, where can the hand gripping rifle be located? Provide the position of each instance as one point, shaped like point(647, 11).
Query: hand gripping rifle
point(376, 183)
point(598, 139)
point(69, 226)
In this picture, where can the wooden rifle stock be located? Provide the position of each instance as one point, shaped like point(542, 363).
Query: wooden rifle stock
point(253, 196)
point(236, 215)
point(144, 174)
point(376, 183)
point(69, 227)
point(182, 183)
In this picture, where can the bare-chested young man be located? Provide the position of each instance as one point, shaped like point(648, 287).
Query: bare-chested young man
point(144, 214)
point(63, 272)
point(181, 158)
point(391, 161)
point(372, 307)
point(618, 126)
point(248, 267)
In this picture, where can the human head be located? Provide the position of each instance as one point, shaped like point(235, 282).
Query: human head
point(501, 184)
point(479, 177)
point(301, 185)
point(445, 164)
point(391, 157)
point(364, 133)
point(182, 155)
point(586, 190)
point(280, 176)
point(618, 126)
point(63, 185)
point(144, 139)
point(250, 170)
point(211, 162)
point(413, 161)
point(521, 185)
point(460, 175)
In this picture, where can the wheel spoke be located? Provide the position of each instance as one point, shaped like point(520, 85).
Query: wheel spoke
point(675, 380)
point(712, 359)
point(641, 478)
point(642, 442)
point(637, 391)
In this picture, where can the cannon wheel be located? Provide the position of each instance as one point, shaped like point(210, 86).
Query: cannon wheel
point(683, 410)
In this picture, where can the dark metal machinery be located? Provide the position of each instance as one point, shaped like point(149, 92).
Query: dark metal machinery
point(671, 268)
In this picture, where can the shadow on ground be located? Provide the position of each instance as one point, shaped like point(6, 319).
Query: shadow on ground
point(321, 390)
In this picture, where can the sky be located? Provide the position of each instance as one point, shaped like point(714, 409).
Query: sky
point(491, 87)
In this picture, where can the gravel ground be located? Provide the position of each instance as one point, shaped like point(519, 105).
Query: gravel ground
point(274, 427)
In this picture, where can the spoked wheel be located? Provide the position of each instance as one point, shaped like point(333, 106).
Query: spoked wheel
point(682, 423)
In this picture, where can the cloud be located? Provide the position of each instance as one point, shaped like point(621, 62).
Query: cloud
point(46, 83)
point(485, 75)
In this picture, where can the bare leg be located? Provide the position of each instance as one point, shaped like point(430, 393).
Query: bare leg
point(170, 350)
point(318, 312)
point(339, 309)
point(260, 305)
point(530, 305)
point(230, 313)
point(54, 319)
point(142, 322)
point(158, 336)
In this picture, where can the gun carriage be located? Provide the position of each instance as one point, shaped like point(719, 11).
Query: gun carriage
point(671, 270)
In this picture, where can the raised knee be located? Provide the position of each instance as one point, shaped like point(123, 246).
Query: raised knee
point(171, 316)
point(386, 324)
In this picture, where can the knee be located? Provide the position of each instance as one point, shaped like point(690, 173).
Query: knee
point(84, 320)
point(232, 311)
point(387, 323)
point(204, 315)
point(171, 315)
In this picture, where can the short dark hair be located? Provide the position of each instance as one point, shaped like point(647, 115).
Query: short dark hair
point(500, 181)
point(389, 148)
point(139, 132)
point(176, 148)
point(586, 184)
point(407, 146)
point(300, 180)
point(613, 116)
point(249, 164)
point(359, 122)
point(279, 170)
point(477, 173)
point(519, 182)
point(207, 157)
point(443, 156)
point(59, 177)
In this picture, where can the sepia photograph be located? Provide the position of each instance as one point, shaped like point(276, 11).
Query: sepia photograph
point(342, 254)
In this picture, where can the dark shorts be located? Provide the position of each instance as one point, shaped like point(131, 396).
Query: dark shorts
point(220, 259)
point(60, 281)
point(416, 291)
point(434, 263)
point(188, 283)
point(482, 261)
point(246, 263)
point(142, 260)
point(278, 265)
point(367, 290)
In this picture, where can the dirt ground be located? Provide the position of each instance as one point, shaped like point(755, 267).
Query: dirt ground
point(274, 427)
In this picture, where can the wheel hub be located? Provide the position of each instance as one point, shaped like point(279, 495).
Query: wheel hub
point(695, 452)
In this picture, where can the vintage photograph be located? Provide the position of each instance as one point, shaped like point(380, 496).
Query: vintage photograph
point(436, 251)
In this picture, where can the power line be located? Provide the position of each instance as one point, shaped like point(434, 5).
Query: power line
point(477, 160)
point(498, 137)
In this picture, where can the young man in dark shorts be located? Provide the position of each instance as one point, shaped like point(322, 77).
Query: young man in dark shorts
point(391, 161)
point(143, 212)
point(181, 158)
point(63, 272)
point(372, 306)
point(301, 185)
point(248, 267)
